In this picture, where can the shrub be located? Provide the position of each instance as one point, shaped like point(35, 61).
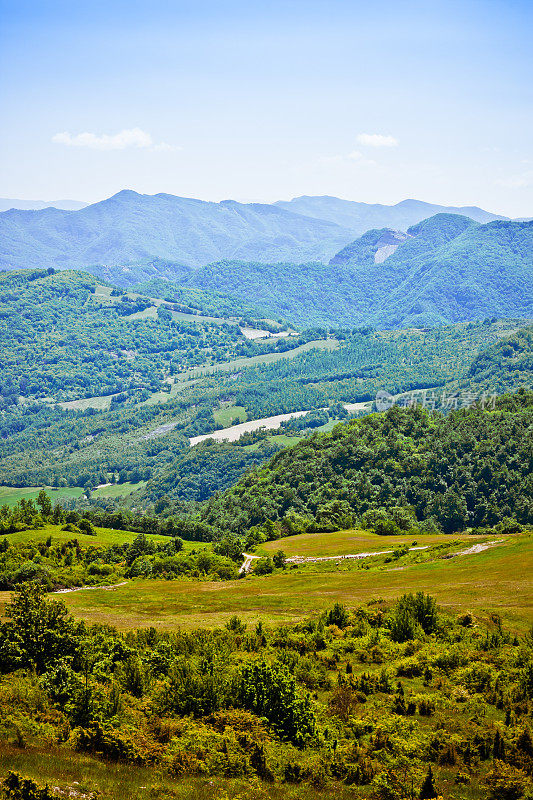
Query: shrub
point(269, 690)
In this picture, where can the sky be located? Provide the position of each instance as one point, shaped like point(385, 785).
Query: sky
point(260, 101)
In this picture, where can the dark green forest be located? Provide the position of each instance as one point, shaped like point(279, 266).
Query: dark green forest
point(471, 468)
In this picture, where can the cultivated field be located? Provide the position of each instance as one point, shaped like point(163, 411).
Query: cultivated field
point(234, 432)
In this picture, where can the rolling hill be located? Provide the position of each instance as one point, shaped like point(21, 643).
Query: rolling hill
point(131, 227)
point(446, 269)
point(470, 468)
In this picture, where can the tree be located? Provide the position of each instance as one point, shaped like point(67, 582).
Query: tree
point(428, 790)
point(38, 633)
point(45, 504)
point(337, 616)
point(269, 690)
point(264, 566)
point(279, 559)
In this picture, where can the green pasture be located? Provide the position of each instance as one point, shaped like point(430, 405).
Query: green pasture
point(118, 489)
point(146, 313)
point(340, 543)
point(497, 580)
point(226, 416)
point(104, 536)
point(100, 403)
point(11, 495)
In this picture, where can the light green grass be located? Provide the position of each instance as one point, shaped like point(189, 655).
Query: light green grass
point(353, 541)
point(103, 293)
point(100, 403)
point(227, 416)
point(146, 313)
point(11, 495)
point(184, 317)
point(104, 536)
point(496, 580)
point(77, 774)
point(118, 489)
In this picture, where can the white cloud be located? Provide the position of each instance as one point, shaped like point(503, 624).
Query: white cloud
point(376, 140)
point(129, 137)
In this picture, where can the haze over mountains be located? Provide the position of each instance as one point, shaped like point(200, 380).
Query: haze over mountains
point(361, 217)
point(37, 205)
point(131, 227)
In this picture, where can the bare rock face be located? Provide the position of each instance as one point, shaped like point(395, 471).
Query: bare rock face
point(388, 243)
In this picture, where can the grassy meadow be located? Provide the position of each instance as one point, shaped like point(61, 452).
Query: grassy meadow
point(497, 580)
point(11, 495)
point(341, 543)
point(83, 774)
point(227, 415)
point(104, 537)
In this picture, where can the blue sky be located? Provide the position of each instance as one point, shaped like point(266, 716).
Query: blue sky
point(254, 100)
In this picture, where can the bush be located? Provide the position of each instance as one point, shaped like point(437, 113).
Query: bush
point(337, 616)
point(269, 690)
point(15, 787)
point(264, 566)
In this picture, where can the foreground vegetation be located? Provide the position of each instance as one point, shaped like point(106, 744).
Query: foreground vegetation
point(388, 700)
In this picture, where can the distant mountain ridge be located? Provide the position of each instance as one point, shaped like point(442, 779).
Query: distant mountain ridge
point(130, 228)
point(37, 205)
point(361, 217)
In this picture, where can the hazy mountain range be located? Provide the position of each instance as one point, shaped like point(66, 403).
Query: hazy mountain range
point(361, 217)
point(37, 205)
point(131, 227)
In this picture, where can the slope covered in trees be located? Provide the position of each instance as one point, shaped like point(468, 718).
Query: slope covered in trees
point(505, 365)
point(471, 468)
point(64, 335)
point(448, 269)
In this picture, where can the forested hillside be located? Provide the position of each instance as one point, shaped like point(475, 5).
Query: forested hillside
point(447, 269)
point(87, 441)
point(505, 365)
point(471, 468)
point(65, 336)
